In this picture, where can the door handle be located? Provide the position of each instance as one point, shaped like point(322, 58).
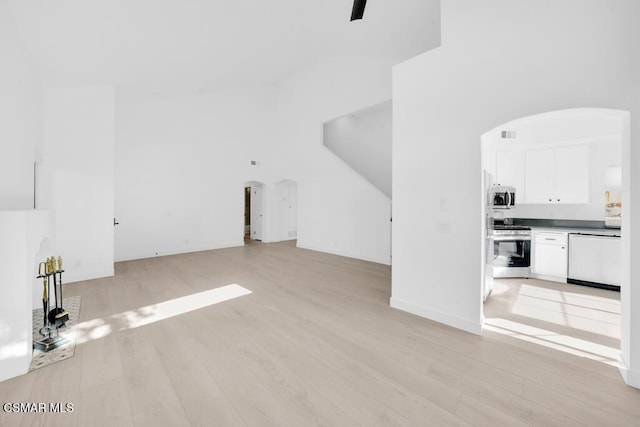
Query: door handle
point(115, 222)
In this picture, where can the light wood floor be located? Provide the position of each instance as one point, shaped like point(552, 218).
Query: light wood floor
point(581, 320)
point(315, 343)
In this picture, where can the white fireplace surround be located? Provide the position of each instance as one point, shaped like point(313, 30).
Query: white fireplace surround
point(25, 239)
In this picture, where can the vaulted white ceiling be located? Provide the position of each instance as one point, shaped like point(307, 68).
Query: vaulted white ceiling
point(172, 47)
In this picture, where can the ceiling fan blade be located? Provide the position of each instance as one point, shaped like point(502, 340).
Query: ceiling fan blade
point(358, 9)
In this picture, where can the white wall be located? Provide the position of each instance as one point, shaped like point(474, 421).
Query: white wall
point(339, 211)
point(363, 140)
point(499, 60)
point(76, 178)
point(181, 165)
point(21, 117)
point(287, 210)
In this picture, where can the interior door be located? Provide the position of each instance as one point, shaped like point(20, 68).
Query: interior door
point(256, 212)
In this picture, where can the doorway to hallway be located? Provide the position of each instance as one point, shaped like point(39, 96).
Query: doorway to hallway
point(247, 212)
point(253, 225)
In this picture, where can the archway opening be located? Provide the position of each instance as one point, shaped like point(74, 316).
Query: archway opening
point(552, 261)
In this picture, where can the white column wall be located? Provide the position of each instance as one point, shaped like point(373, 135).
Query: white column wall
point(22, 234)
point(20, 117)
point(630, 348)
point(76, 177)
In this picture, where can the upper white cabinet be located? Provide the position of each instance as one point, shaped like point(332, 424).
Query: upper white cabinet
point(572, 174)
point(539, 175)
point(489, 163)
point(557, 175)
point(509, 169)
point(506, 167)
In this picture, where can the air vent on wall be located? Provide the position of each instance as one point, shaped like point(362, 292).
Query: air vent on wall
point(508, 134)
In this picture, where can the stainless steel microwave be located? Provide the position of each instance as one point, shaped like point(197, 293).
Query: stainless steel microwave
point(503, 197)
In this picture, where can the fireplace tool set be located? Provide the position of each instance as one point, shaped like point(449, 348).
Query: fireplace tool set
point(53, 318)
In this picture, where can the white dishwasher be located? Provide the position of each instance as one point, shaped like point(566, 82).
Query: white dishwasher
point(594, 260)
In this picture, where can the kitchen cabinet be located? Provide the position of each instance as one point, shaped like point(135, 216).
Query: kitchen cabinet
point(539, 175)
point(550, 256)
point(557, 175)
point(572, 174)
point(595, 259)
point(509, 169)
point(489, 164)
point(506, 166)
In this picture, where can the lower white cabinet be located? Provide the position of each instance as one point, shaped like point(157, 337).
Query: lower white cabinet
point(549, 260)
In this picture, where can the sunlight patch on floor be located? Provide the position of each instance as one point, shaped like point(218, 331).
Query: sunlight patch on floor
point(553, 340)
point(175, 307)
point(498, 288)
point(589, 313)
point(574, 298)
point(99, 328)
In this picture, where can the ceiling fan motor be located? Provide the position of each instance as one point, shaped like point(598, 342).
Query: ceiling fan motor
point(358, 9)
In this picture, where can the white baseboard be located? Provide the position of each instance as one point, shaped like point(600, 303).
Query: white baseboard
point(345, 254)
point(631, 378)
point(179, 251)
point(437, 316)
point(70, 277)
point(277, 241)
point(549, 278)
point(14, 367)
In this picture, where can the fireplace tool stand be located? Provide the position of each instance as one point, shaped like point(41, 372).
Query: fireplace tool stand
point(55, 318)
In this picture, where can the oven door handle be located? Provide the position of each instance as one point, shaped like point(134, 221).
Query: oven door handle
point(510, 238)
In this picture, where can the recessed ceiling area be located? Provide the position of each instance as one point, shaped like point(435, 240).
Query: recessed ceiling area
point(174, 47)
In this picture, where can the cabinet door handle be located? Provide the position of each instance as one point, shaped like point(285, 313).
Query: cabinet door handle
point(558, 199)
point(563, 247)
point(549, 199)
point(550, 238)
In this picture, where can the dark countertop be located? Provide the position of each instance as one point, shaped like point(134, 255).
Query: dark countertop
point(568, 225)
point(572, 230)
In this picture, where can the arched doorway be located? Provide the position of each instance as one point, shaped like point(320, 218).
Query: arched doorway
point(569, 157)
